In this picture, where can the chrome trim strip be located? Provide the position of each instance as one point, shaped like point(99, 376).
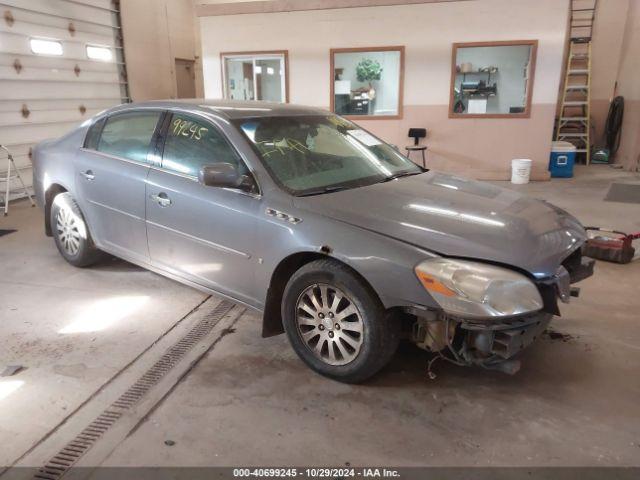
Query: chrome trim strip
point(115, 210)
point(201, 240)
point(114, 157)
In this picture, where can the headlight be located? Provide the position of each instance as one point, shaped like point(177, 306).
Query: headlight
point(475, 289)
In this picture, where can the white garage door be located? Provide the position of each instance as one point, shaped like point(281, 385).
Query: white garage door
point(61, 62)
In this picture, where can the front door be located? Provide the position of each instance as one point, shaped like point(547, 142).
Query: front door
point(206, 234)
point(110, 172)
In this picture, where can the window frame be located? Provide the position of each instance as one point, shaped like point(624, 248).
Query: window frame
point(255, 55)
point(104, 119)
point(161, 138)
point(393, 48)
point(501, 43)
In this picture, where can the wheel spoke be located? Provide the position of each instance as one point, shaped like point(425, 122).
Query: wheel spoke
point(310, 335)
point(332, 353)
point(314, 300)
point(312, 322)
point(324, 296)
point(343, 350)
point(318, 348)
point(352, 326)
point(307, 308)
point(350, 341)
point(350, 310)
point(336, 301)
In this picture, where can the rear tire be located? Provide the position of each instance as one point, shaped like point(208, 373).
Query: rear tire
point(336, 323)
point(71, 233)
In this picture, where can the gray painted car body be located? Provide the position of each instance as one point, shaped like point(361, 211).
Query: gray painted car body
point(223, 240)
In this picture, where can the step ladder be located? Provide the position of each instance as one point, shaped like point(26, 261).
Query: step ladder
point(12, 173)
point(574, 122)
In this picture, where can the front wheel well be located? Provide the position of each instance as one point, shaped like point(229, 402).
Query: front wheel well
point(272, 319)
point(53, 190)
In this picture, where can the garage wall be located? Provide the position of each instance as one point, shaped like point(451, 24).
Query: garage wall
point(606, 53)
point(481, 148)
point(629, 87)
point(156, 32)
point(44, 96)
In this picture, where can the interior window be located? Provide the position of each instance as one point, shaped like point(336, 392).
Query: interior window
point(192, 143)
point(367, 81)
point(492, 78)
point(128, 135)
point(255, 76)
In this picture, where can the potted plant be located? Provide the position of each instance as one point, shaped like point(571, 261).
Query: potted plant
point(369, 70)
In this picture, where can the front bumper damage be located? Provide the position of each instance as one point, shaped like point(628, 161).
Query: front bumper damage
point(493, 343)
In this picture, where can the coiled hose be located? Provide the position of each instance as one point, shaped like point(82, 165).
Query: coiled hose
point(613, 126)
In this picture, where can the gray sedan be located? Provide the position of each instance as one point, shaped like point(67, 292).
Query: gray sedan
point(343, 243)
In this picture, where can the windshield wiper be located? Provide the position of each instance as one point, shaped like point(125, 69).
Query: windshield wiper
point(398, 175)
point(320, 191)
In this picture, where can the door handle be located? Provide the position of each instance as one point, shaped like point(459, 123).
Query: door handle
point(161, 199)
point(88, 175)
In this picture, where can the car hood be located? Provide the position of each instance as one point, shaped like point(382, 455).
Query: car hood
point(458, 217)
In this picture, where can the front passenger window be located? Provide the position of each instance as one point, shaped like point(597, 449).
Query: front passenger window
point(128, 135)
point(192, 143)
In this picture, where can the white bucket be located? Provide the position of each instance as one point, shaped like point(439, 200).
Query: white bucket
point(520, 170)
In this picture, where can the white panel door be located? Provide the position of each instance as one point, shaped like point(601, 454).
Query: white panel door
point(44, 96)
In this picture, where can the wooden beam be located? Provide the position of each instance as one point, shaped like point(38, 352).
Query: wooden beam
point(276, 6)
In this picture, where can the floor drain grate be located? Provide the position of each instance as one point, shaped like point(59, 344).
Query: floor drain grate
point(76, 448)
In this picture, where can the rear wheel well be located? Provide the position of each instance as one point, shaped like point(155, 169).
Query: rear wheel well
point(272, 319)
point(49, 195)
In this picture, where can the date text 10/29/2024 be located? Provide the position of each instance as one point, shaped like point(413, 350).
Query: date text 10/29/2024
point(332, 473)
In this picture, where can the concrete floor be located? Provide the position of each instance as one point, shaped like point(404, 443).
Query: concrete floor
point(251, 401)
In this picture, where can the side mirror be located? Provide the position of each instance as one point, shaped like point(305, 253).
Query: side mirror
point(222, 175)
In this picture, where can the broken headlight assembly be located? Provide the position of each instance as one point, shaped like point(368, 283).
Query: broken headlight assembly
point(477, 290)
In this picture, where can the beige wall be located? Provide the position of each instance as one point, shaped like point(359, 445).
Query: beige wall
point(606, 51)
point(156, 32)
point(629, 88)
point(482, 148)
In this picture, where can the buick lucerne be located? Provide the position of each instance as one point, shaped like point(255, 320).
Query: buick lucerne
point(343, 243)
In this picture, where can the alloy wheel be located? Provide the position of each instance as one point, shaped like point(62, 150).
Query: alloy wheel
point(330, 324)
point(68, 231)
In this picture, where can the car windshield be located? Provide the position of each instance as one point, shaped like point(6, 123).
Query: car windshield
point(317, 154)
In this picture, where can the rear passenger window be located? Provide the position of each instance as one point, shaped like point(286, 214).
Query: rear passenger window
point(128, 135)
point(93, 135)
point(192, 143)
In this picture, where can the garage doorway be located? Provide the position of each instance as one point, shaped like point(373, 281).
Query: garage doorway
point(185, 78)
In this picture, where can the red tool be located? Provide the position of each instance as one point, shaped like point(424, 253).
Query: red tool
point(609, 245)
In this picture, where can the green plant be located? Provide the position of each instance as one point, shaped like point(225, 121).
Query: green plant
point(368, 70)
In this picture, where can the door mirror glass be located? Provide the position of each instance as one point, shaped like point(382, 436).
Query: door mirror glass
point(224, 175)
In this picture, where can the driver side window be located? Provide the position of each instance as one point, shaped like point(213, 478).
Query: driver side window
point(192, 142)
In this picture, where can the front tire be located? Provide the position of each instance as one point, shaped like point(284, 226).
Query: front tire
point(71, 233)
point(336, 324)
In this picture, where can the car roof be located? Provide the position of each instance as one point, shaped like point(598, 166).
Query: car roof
point(229, 109)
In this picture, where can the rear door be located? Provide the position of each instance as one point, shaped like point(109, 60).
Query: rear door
point(110, 175)
point(206, 234)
